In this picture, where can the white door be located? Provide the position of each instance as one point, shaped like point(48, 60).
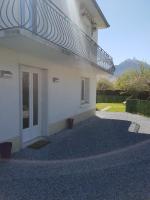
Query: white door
point(31, 103)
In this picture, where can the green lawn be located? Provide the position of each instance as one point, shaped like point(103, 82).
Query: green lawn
point(112, 107)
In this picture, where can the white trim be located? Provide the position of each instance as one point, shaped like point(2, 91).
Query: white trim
point(86, 94)
point(20, 106)
point(43, 102)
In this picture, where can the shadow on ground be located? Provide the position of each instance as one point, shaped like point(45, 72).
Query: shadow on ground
point(92, 137)
point(120, 175)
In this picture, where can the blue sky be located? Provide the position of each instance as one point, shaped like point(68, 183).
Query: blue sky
point(129, 32)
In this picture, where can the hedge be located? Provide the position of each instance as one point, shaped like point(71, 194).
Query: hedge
point(117, 96)
point(110, 98)
point(110, 92)
point(138, 107)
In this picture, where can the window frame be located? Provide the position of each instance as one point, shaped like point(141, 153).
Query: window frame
point(85, 90)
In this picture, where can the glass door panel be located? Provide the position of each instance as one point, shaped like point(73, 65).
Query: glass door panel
point(35, 99)
point(25, 100)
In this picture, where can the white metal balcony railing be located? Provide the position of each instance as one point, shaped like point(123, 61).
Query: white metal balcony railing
point(45, 19)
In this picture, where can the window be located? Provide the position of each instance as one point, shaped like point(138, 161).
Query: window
point(84, 90)
point(25, 99)
point(35, 99)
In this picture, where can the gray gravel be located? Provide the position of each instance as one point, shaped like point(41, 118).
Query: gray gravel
point(93, 137)
point(119, 170)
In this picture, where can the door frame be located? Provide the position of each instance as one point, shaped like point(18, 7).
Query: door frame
point(44, 103)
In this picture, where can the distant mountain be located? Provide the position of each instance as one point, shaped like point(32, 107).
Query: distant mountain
point(129, 64)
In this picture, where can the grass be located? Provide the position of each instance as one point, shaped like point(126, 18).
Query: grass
point(112, 107)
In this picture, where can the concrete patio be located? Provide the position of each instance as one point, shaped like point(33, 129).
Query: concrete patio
point(98, 159)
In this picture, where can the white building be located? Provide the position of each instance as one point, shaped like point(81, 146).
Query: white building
point(49, 59)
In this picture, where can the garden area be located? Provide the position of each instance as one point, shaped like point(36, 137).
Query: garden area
point(128, 93)
point(111, 107)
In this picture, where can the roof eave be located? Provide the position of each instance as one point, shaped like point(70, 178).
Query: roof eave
point(101, 13)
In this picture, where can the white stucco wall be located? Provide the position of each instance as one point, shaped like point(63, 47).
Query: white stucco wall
point(72, 9)
point(9, 104)
point(95, 36)
point(63, 97)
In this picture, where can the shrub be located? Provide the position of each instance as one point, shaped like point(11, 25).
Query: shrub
point(111, 96)
point(138, 106)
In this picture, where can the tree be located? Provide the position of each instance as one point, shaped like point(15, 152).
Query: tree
point(105, 84)
point(134, 82)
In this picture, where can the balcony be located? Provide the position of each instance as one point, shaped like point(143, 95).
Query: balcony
point(44, 19)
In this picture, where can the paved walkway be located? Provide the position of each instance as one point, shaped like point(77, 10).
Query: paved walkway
point(107, 108)
point(144, 122)
point(119, 172)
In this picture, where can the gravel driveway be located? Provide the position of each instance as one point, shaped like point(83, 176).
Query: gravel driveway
point(93, 137)
point(99, 159)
